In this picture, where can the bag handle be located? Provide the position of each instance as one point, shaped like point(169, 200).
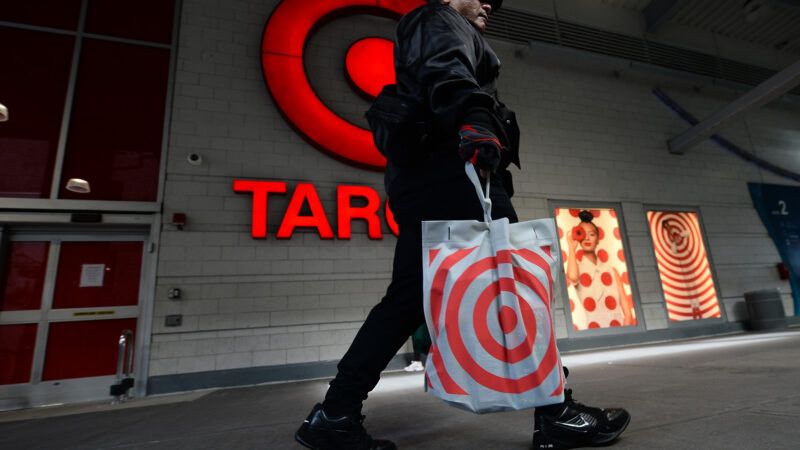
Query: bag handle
point(486, 201)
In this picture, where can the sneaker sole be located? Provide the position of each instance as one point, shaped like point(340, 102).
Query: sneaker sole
point(602, 439)
point(302, 442)
point(599, 440)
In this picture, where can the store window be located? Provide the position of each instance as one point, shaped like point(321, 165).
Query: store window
point(62, 14)
point(23, 281)
point(98, 274)
point(146, 20)
point(84, 348)
point(33, 86)
point(117, 122)
point(683, 266)
point(597, 279)
point(17, 344)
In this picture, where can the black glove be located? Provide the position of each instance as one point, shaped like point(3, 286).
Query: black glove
point(480, 147)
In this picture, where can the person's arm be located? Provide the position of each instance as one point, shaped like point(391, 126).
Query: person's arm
point(624, 301)
point(448, 70)
point(445, 51)
point(572, 263)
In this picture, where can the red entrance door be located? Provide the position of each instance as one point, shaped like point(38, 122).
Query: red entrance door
point(64, 304)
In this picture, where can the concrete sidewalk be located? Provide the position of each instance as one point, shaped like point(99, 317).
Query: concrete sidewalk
point(732, 392)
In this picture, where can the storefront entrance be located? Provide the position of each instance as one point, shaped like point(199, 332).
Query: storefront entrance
point(66, 299)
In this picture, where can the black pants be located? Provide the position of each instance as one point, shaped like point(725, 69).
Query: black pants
point(400, 312)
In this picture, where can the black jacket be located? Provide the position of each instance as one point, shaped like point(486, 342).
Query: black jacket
point(446, 64)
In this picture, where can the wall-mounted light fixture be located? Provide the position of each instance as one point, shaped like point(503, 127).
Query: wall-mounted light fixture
point(3, 113)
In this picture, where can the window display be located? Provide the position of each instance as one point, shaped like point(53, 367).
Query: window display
point(683, 265)
point(597, 278)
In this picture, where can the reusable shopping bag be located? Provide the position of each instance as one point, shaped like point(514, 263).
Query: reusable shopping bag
point(488, 290)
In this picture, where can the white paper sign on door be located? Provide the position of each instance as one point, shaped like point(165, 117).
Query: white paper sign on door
point(92, 275)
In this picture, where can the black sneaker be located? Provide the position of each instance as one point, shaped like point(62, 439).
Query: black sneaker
point(576, 425)
point(320, 432)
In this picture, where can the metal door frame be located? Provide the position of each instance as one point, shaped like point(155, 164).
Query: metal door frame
point(36, 391)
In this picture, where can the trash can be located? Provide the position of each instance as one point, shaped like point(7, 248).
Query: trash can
point(765, 310)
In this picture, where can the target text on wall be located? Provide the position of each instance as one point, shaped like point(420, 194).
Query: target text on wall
point(305, 210)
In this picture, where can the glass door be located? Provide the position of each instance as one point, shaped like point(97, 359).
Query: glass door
point(65, 301)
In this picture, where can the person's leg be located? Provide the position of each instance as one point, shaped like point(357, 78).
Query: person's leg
point(421, 342)
point(395, 318)
point(386, 329)
point(337, 422)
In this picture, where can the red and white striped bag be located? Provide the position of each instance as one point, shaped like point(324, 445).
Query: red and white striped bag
point(488, 290)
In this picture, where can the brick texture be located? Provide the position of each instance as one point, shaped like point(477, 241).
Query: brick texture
point(586, 136)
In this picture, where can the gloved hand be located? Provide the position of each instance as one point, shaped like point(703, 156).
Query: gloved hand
point(480, 147)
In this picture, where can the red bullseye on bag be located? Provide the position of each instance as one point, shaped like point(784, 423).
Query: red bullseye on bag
point(578, 233)
point(488, 289)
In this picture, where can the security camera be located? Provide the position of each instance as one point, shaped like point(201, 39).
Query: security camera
point(194, 159)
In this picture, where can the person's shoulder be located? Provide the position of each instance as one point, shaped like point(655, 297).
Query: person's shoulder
point(431, 14)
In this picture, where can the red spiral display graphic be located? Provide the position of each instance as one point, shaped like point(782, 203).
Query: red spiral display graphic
point(477, 336)
point(683, 266)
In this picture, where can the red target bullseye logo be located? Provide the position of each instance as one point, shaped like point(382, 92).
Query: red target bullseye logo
point(492, 321)
point(368, 62)
point(683, 266)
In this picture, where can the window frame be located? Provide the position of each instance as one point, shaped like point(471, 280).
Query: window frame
point(564, 303)
point(677, 324)
point(53, 202)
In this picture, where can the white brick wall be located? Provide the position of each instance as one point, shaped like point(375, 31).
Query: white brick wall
point(586, 136)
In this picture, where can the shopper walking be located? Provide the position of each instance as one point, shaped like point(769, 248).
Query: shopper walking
point(442, 61)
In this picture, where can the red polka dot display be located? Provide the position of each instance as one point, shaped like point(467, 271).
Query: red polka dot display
point(575, 327)
point(595, 301)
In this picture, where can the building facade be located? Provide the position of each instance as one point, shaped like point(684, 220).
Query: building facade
point(243, 239)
